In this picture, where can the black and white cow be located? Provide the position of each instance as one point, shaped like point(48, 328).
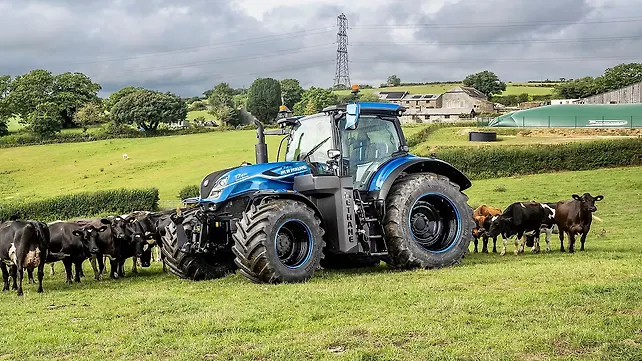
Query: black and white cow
point(522, 218)
point(23, 245)
point(150, 227)
point(77, 242)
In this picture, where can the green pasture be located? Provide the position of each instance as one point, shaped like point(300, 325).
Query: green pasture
point(547, 306)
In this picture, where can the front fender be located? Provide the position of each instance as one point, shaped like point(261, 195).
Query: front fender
point(258, 196)
point(382, 181)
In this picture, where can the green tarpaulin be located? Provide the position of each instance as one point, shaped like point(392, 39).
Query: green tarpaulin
point(574, 116)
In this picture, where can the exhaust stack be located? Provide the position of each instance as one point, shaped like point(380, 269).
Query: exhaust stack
point(261, 146)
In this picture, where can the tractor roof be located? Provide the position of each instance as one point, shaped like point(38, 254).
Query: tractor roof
point(369, 107)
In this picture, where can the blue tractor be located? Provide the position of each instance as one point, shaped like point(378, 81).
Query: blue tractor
point(348, 194)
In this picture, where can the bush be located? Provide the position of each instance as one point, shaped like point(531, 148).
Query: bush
point(423, 134)
point(494, 161)
point(197, 105)
point(79, 205)
point(189, 192)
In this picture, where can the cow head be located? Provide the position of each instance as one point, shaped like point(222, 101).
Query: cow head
point(143, 241)
point(587, 201)
point(121, 227)
point(498, 225)
point(89, 235)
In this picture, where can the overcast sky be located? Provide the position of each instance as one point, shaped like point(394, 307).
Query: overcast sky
point(188, 46)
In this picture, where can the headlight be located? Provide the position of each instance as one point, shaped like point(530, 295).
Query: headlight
point(214, 193)
point(222, 182)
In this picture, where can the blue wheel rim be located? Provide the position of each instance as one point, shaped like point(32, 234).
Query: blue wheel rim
point(434, 222)
point(293, 243)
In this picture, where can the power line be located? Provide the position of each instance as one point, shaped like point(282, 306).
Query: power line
point(477, 60)
point(248, 41)
point(486, 42)
point(498, 25)
point(285, 52)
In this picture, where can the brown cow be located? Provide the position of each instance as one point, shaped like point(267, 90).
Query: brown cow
point(574, 217)
point(482, 216)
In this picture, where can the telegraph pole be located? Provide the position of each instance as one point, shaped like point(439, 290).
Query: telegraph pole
point(342, 74)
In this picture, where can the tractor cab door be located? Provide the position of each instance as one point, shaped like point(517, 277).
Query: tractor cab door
point(313, 137)
point(364, 149)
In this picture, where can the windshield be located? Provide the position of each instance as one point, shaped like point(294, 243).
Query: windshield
point(310, 133)
point(373, 143)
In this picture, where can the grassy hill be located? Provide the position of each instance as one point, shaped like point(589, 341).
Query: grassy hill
point(549, 306)
point(511, 89)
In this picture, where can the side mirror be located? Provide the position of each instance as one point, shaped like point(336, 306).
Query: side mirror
point(334, 154)
point(352, 116)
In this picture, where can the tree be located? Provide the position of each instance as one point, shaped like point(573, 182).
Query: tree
point(117, 96)
point(486, 82)
point(90, 113)
point(620, 76)
point(394, 80)
point(148, 108)
point(72, 91)
point(264, 99)
point(314, 100)
point(5, 111)
point(577, 88)
point(45, 120)
point(69, 91)
point(291, 91)
point(522, 98)
point(223, 106)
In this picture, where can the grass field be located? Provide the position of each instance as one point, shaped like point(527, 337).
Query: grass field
point(13, 125)
point(557, 306)
point(442, 88)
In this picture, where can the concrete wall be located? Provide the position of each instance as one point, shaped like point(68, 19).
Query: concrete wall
point(631, 94)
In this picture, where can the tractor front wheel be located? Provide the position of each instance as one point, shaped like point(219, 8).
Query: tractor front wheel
point(278, 240)
point(197, 267)
point(428, 222)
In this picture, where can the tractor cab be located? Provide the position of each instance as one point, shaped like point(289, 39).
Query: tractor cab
point(348, 140)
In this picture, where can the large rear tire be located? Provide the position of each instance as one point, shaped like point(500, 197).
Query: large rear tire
point(278, 240)
point(197, 267)
point(428, 222)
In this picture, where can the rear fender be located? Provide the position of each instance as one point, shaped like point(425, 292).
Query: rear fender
point(383, 180)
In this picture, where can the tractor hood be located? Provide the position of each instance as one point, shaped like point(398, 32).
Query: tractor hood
point(225, 184)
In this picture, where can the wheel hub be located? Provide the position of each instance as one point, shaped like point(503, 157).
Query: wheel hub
point(426, 224)
point(284, 244)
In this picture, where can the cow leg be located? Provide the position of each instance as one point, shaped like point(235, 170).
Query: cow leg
point(113, 268)
point(571, 242)
point(78, 266)
point(494, 244)
point(504, 248)
point(535, 248)
point(5, 276)
point(562, 241)
point(67, 262)
point(549, 231)
point(519, 244)
point(52, 269)
point(583, 239)
point(30, 276)
point(21, 274)
point(14, 275)
point(475, 241)
point(121, 268)
point(101, 266)
point(134, 263)
point(41, 274)
point(485, 244)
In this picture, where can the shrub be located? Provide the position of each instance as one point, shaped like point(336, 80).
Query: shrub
point(494, 161)
point(197, 105)
point(189, 192)
point(79, 205)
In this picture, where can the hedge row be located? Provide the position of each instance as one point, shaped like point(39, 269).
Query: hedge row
point(496, 161)
point(88, 204)
point(189, 192)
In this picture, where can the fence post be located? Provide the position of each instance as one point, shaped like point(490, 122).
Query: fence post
point(631, 122)
point(549, 121)
point(523, 119)
point(576, 122)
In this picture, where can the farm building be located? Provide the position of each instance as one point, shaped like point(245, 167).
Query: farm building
point(447, 107)
point(631, 94)
point(574, 116)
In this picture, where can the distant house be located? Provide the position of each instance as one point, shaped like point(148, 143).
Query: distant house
point(563, 101)
point(393, 97)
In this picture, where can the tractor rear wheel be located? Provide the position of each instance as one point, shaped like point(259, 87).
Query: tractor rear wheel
point(197, 267)
point(428, 222)
point(278, 240)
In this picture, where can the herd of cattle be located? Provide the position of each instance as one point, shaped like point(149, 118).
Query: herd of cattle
point(526, 220)
point(25, 244)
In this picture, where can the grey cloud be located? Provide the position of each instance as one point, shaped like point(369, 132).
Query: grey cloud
point(189, 46)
